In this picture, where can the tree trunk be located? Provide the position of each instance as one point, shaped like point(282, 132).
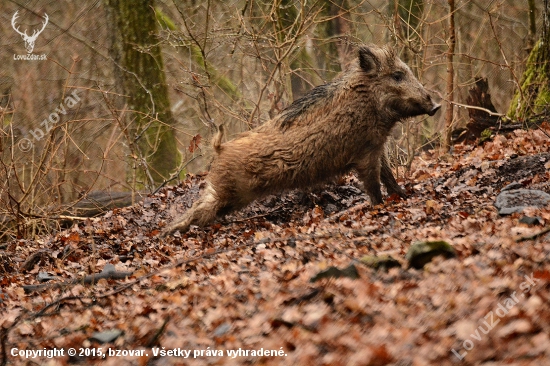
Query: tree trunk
point(533, 97)
point(450, 77)
point(139, 74)
point(480, 120)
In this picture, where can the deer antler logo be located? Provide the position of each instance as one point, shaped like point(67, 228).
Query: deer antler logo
point(29, 40)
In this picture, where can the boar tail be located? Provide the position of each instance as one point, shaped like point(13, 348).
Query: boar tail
point(217, 141)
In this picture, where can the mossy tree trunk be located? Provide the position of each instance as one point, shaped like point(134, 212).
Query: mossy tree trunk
point(533, 97)
point(139, 74)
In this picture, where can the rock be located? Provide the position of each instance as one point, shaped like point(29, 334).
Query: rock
point(330, 209)
point(335, 272)
point(531, 220)
point(383, 262)
point(45, 276)
point(422, 252)
point(222, 329)
point(106, 336)
point(516, 200)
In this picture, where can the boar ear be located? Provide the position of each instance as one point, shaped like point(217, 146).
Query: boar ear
point(368, 61)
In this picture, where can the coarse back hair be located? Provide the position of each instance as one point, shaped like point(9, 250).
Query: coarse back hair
point(316, 96)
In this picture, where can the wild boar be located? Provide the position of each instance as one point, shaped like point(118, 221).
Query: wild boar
point(336, 127)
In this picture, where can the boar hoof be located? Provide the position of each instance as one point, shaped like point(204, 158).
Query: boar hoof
point(182, 226)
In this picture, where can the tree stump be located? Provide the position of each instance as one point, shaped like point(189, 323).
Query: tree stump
point(478, 96)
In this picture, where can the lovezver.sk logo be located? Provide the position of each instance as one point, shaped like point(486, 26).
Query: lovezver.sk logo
point(29, 40)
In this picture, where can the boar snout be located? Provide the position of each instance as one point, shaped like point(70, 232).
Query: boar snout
point(427, 105)
point(413, 106)
point(434, 106)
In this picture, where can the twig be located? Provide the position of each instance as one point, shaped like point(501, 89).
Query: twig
point(478, 108)
point(224, 250)
point(516, 80)
point(256, 216)
point(187, 261)
point(534, 236)
point(177, 174)
point(155, 338)
point(347, 211)
point(56, 303)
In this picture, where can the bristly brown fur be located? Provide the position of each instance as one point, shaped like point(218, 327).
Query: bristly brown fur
point(337, 127)
point(315, 97)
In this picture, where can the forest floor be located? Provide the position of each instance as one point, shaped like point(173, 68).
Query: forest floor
point(286, 281)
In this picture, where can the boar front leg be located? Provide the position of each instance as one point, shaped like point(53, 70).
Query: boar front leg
point(202, 213)
point(387, 178)
point(369, 173)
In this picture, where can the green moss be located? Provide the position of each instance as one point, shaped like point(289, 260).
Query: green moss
point(422, 252)
point(216, 78)
point(164, 21)
point(383, 262)
point(485, 135)
point(535, 88)
point(221, 81)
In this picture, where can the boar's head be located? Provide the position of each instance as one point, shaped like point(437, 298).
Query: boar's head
point(397, 91)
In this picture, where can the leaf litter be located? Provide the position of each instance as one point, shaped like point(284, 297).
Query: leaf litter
point(277, 275)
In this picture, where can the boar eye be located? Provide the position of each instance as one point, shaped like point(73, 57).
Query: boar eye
point(398, 76)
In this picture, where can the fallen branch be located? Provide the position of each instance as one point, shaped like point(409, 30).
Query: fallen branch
point(347, 211)
point(108, 273)
point(28, 265)
point(154, 341)
point(534, 236)
point(256, 216)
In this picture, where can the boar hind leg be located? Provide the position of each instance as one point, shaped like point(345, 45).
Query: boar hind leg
point(202, 213)
point(369, 173)
point(387, 178)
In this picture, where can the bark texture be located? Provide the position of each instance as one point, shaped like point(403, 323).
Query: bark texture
point(139, 74)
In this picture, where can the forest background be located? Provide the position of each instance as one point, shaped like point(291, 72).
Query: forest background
point(150, 80)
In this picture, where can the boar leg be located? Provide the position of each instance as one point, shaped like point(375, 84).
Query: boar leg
point(369, 173)
point(387, 178)
point(203, 212)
